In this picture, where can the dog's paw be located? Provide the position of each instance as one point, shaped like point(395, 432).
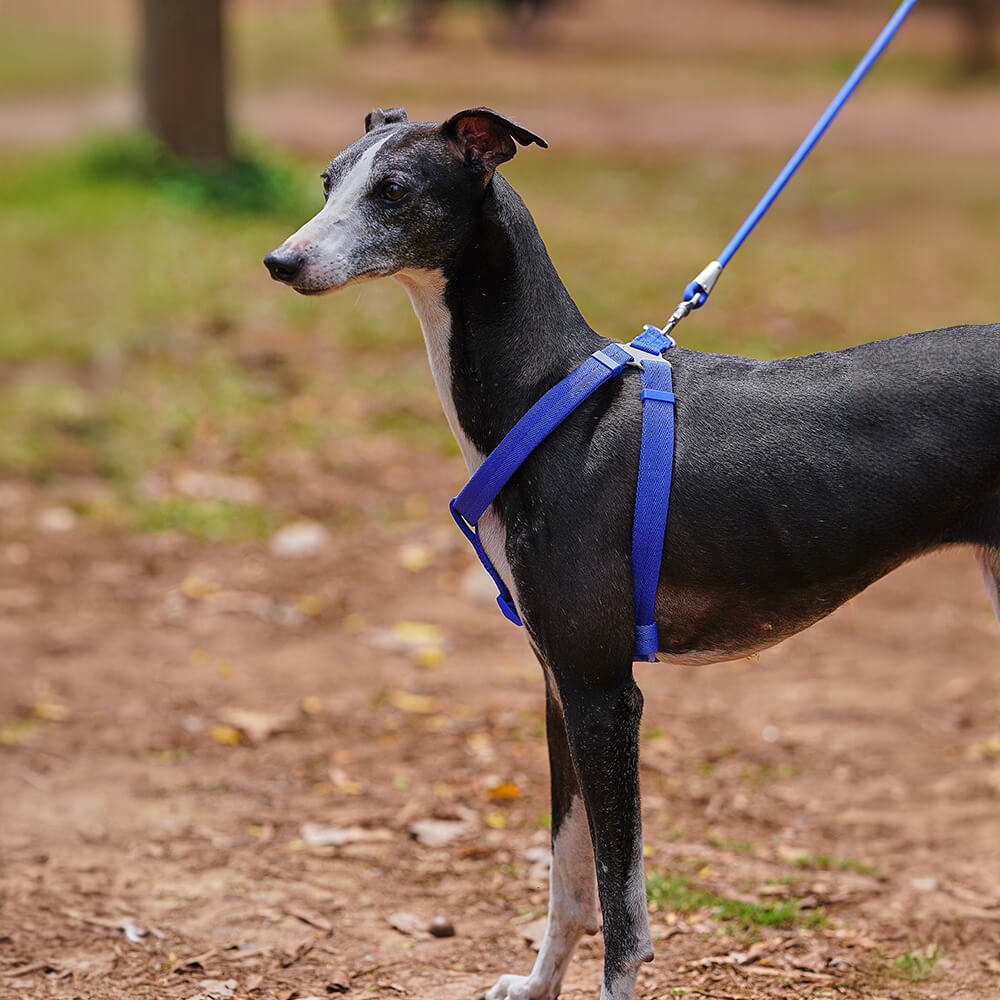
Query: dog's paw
point(518, 988)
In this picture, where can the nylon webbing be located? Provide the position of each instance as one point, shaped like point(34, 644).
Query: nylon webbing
point(655, 467)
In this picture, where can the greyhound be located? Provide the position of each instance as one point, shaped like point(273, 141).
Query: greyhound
point(796, 484)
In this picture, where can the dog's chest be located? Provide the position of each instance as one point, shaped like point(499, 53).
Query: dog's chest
point(426, 291)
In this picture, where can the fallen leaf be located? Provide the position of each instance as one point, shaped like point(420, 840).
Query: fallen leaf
point(312, 919)
point(506, 790)
point(195, 588)
point(313, 705)
point(217, 989)
point(534, 932)
point(309, 604)
point(409, 924)
point(419, 704)
point(438, 832)
point(51, 710)
point(337, 980)
point(258, 726)
point(134, 932)
point(414, 557)
point(227, 735)
point(495, 820)
point(318, 835)
point(423, 641)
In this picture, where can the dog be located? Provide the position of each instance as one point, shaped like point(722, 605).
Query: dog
point(796, 483)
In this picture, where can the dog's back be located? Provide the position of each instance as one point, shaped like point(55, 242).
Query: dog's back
point(799, 482)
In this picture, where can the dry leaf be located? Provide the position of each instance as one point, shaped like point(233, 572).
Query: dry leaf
point(195, 588)
point(506, 790)
point(318, 835)
point(227, 736)
point(337, 980)
point(438, 832)
point(410, 924)
point(419, 704)
point(495, 820)
point(257, 726)
point(534, 933)
point(414, 557)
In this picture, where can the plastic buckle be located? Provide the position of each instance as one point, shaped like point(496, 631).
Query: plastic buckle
point(653, 341)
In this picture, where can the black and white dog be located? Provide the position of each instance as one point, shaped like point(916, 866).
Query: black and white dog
point(797, 483)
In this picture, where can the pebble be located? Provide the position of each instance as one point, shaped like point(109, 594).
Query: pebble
point(442, 927)
point(53, 520)
point(301, 538)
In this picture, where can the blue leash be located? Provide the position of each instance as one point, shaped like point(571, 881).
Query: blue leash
point(658, 402)
point(697, 292)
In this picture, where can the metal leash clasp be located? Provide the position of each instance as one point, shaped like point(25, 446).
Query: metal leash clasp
point(695, 295)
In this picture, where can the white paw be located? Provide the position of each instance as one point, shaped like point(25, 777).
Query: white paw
point(518, 988)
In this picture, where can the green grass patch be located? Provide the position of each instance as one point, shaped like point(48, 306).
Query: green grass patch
point(917, 964)
point(676, 893)
point(207, 520)
point(728, 844)
point(824, 863)
point(254, 182)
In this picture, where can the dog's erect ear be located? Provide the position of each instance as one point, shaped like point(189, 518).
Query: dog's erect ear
point(485, 138)
point(379, 117)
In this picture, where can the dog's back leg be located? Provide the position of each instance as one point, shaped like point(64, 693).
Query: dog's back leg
point(572, 883)
point(989, 560)
point(602, 722)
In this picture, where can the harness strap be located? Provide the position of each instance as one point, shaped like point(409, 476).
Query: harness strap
point(520, 441)
point(655, 467)
point(652, 500)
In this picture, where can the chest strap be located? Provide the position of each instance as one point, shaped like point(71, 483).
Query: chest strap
point(656, 455)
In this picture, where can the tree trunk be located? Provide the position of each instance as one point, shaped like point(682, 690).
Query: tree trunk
point(979, 18)
point(184, 77)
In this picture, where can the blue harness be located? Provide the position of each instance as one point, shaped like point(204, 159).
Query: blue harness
point(656, 459)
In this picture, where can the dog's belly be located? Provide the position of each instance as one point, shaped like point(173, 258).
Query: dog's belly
point(706, 625)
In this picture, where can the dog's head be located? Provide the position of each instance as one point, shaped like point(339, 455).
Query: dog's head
point(400, 197)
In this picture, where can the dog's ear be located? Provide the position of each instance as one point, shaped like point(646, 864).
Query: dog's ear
point(485, 139)
point(378, 117)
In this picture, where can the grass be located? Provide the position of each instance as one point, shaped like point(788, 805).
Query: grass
point(917, 964)
point(139, 334)
point(728, 844)
point(823, 862)
point(676, 893)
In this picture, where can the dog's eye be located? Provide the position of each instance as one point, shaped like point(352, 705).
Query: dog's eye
point(326, 187)
point(391, 191)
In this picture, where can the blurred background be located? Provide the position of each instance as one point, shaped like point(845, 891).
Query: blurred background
point(231, 601)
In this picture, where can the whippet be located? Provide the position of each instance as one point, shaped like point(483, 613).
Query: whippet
point(796, 483)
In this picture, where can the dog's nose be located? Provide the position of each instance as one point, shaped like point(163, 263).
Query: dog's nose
point(284, 264)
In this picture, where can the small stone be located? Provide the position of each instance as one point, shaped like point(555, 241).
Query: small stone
point(302, 538)
point(53, 520)
point(441, 927)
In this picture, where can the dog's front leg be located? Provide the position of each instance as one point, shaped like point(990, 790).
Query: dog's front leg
point(572, 885)
point(602, 722)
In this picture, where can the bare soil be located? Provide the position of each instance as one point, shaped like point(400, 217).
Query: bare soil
point(152, 840)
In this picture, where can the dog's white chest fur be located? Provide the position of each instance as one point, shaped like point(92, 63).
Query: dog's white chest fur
point(426, 291)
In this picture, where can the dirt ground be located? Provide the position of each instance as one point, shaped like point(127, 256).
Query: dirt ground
point(173, 715)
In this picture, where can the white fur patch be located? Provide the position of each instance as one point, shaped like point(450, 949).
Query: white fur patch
point(328, 239)
point(426, 291)
point(572, 912)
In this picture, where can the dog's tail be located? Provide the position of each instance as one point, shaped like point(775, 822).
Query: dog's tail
point(989, 560)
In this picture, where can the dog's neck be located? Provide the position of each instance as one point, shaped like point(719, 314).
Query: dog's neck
point(499, 325)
